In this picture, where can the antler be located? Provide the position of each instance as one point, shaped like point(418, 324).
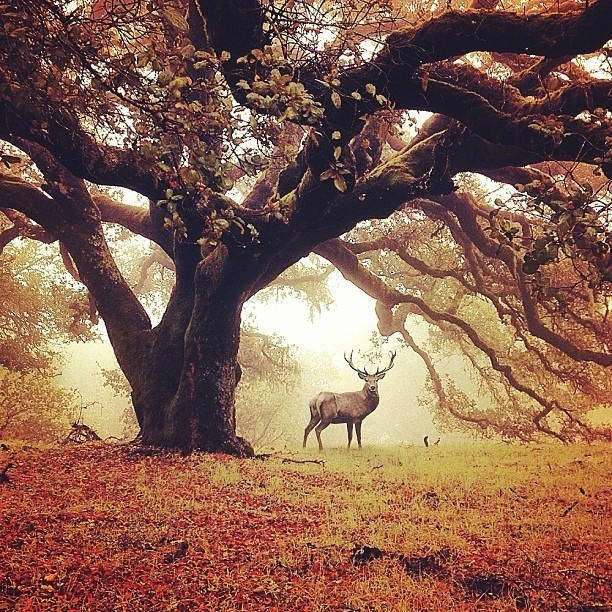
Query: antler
point(350, 362)
point(393, 353)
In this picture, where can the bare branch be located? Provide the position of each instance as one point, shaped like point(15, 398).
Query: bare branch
point(137, 220)
point(338, 254)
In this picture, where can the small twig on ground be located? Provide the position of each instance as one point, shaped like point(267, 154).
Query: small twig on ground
point(569, 509)
point(574, 570)
point(265, 456)
point(81, 433)
point(563, 592)
point(377, 467)
point(317, 461)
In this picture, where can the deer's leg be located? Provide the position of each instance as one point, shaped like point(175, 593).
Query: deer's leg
point(358, 432)
point(313, 421)
point(318, 429)
point(349, 430)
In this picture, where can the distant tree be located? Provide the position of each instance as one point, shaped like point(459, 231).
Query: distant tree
point(261, 131)
point(37, 313)
point(33, 407)
point(476, 316)
point(39, 308)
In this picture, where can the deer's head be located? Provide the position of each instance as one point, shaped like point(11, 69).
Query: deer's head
point(371, 380)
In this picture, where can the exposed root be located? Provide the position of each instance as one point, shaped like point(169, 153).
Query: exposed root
point(236, 447)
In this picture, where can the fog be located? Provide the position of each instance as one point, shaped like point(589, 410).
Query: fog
point(318, 341)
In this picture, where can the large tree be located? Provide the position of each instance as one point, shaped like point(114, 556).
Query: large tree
point(190, 103)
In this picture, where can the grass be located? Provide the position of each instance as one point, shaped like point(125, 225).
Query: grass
point(99, 527)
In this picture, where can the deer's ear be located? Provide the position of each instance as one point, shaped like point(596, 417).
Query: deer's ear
point(381, 376)
point(362, 375)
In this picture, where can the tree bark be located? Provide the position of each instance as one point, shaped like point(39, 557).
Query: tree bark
point(186, 400)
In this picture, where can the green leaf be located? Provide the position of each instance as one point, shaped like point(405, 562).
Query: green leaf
point(164, 77)
point(226, 182)
point(340, 184)
point(13, 159)
point(176, 19)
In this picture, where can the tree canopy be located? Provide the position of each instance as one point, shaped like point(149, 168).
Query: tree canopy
point(451, 160)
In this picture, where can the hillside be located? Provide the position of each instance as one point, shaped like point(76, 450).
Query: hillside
point(466, 527)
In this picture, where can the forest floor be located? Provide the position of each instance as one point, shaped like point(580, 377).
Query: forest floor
point(480, 526)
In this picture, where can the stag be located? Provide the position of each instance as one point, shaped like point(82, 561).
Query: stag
point(350, 408)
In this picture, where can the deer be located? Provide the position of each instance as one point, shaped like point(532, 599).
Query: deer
point(350, 408)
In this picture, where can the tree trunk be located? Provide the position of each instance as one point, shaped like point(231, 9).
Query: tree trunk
point(186, 396)
point(202, 414)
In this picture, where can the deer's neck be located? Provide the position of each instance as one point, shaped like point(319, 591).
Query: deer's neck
point(370, 397)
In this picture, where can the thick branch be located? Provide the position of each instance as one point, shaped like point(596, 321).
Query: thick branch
point(83, 237)
point(68, 141)
point(155, 256)
point(233, 25)
point(567, 139)
point(8, 236)
point(457, 33)
point(394, 70)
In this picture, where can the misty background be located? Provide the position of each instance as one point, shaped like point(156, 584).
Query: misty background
point(318, 340)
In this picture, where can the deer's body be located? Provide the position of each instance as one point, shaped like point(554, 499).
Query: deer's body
point(344, 407)
point(350, 408)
